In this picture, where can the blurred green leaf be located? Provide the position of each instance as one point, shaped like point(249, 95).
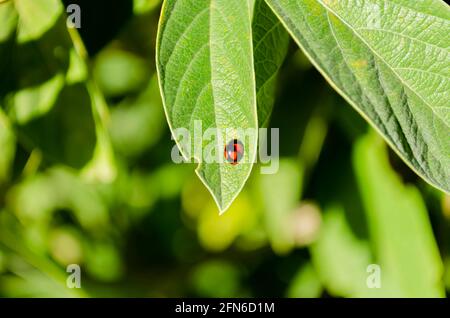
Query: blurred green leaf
point(39, 51)
point(33, 200)
point(8, 16)
point(65, 245)
point(77, 71)
point(45, 111)
point(136, 189)
point(313, 140)
point(216, 279)
point(217, 232)
point(102, 168)
point(339, 256)
point(280, 194)
point(144, 6)
point(389, 60)
point(400, 230)
point(33, 284)
point(30, 273)
point(137, 124)
point(2, 262)
point(36, 199)
point(36, 101)
point(305, 284)
point(36, 17)
point(7, 146)
point(67, 133)
point(103, 262)
point(447, 273)
point(168, 180)
point(118, 72)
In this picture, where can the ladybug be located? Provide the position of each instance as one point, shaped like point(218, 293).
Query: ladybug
point(234, 151)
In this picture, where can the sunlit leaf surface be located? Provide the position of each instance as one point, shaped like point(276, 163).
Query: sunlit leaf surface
point(390, 60)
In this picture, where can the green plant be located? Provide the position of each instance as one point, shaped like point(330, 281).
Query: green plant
point(86, 175)
point(218, 59)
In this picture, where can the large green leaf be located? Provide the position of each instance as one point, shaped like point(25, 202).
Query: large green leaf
point(207, 73)
point(391, 61)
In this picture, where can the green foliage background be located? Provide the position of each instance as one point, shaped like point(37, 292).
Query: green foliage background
point(86, 178)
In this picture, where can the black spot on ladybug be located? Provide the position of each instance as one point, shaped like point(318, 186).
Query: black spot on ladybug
point(234, 151)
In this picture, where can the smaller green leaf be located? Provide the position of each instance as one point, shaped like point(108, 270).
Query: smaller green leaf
point(206, 74)
point(217, 63)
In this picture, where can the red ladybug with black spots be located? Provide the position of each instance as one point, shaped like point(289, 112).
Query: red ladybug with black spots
point(234, 151)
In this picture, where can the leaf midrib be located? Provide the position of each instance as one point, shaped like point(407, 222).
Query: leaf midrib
point(214, 102)
point(252, 67)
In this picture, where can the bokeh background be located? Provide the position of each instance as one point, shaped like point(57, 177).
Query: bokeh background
point(86, 178)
